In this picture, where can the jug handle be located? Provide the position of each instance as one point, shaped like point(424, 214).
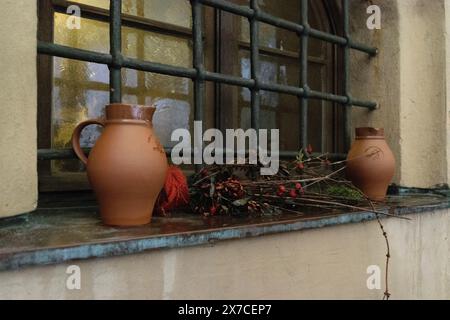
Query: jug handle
point(76, 138)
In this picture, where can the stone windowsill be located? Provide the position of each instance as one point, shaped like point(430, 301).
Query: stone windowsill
point(56, 234)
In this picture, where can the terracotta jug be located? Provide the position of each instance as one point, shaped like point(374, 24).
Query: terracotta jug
point(371, 163)
point(127, 166)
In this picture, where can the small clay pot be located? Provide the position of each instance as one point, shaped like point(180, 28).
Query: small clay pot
point(371, 163)
point(127, 166)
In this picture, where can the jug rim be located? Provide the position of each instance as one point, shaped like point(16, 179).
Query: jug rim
point(128, 121)
point(369, 132)
point(116, 111)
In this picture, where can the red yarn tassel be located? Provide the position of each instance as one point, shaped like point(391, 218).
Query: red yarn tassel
point(175, 193)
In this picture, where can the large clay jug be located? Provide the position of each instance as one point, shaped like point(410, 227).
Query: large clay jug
point(371, 163)
point(127, 166)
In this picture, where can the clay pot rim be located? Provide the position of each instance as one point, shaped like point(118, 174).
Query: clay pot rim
point(369, 133)
point(128, 121)
point(132, 105)
point(115, 111)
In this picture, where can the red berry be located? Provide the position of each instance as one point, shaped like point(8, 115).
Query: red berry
point(281, 189)
point(293, 193)
point(213, 210)
point(298, 186)
point(309, 149)
point(300, 166)
point(302, 191)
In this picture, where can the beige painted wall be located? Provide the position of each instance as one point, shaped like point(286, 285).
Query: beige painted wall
point(447, 84)
point(328, 263)
point(378, 78)
point(18, 175)
point(423, 98)
point(408, 79)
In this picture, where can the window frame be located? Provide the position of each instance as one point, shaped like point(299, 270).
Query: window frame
point(198, 74)
point(46, 13)
point(320, 9)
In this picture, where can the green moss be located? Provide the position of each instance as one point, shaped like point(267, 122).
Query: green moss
point(344, 192)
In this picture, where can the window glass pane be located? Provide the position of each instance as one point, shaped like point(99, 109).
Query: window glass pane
point(273, 69)
point(154, 47)
point(104, 4)
point(286, 9)
point(80, 89)
point(283, 115)
point(271, 37)
point(319, 20)
point(176, 12)
point(80, 92)
point(93, 35)
point(277, 38)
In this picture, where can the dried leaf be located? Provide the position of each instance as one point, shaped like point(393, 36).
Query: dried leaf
point(241, 202)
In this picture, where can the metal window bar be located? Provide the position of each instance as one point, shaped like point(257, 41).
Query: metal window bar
point(304, 41)
point(116, 61)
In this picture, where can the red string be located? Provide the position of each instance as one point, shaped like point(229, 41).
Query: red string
point(175, 193)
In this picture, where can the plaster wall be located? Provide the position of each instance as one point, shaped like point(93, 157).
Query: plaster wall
point(18, 174)
point(408, 79)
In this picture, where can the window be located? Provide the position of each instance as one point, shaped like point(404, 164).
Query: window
point(194, 60)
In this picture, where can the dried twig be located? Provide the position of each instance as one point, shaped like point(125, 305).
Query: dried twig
point(331, 203)
point(386, 294)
